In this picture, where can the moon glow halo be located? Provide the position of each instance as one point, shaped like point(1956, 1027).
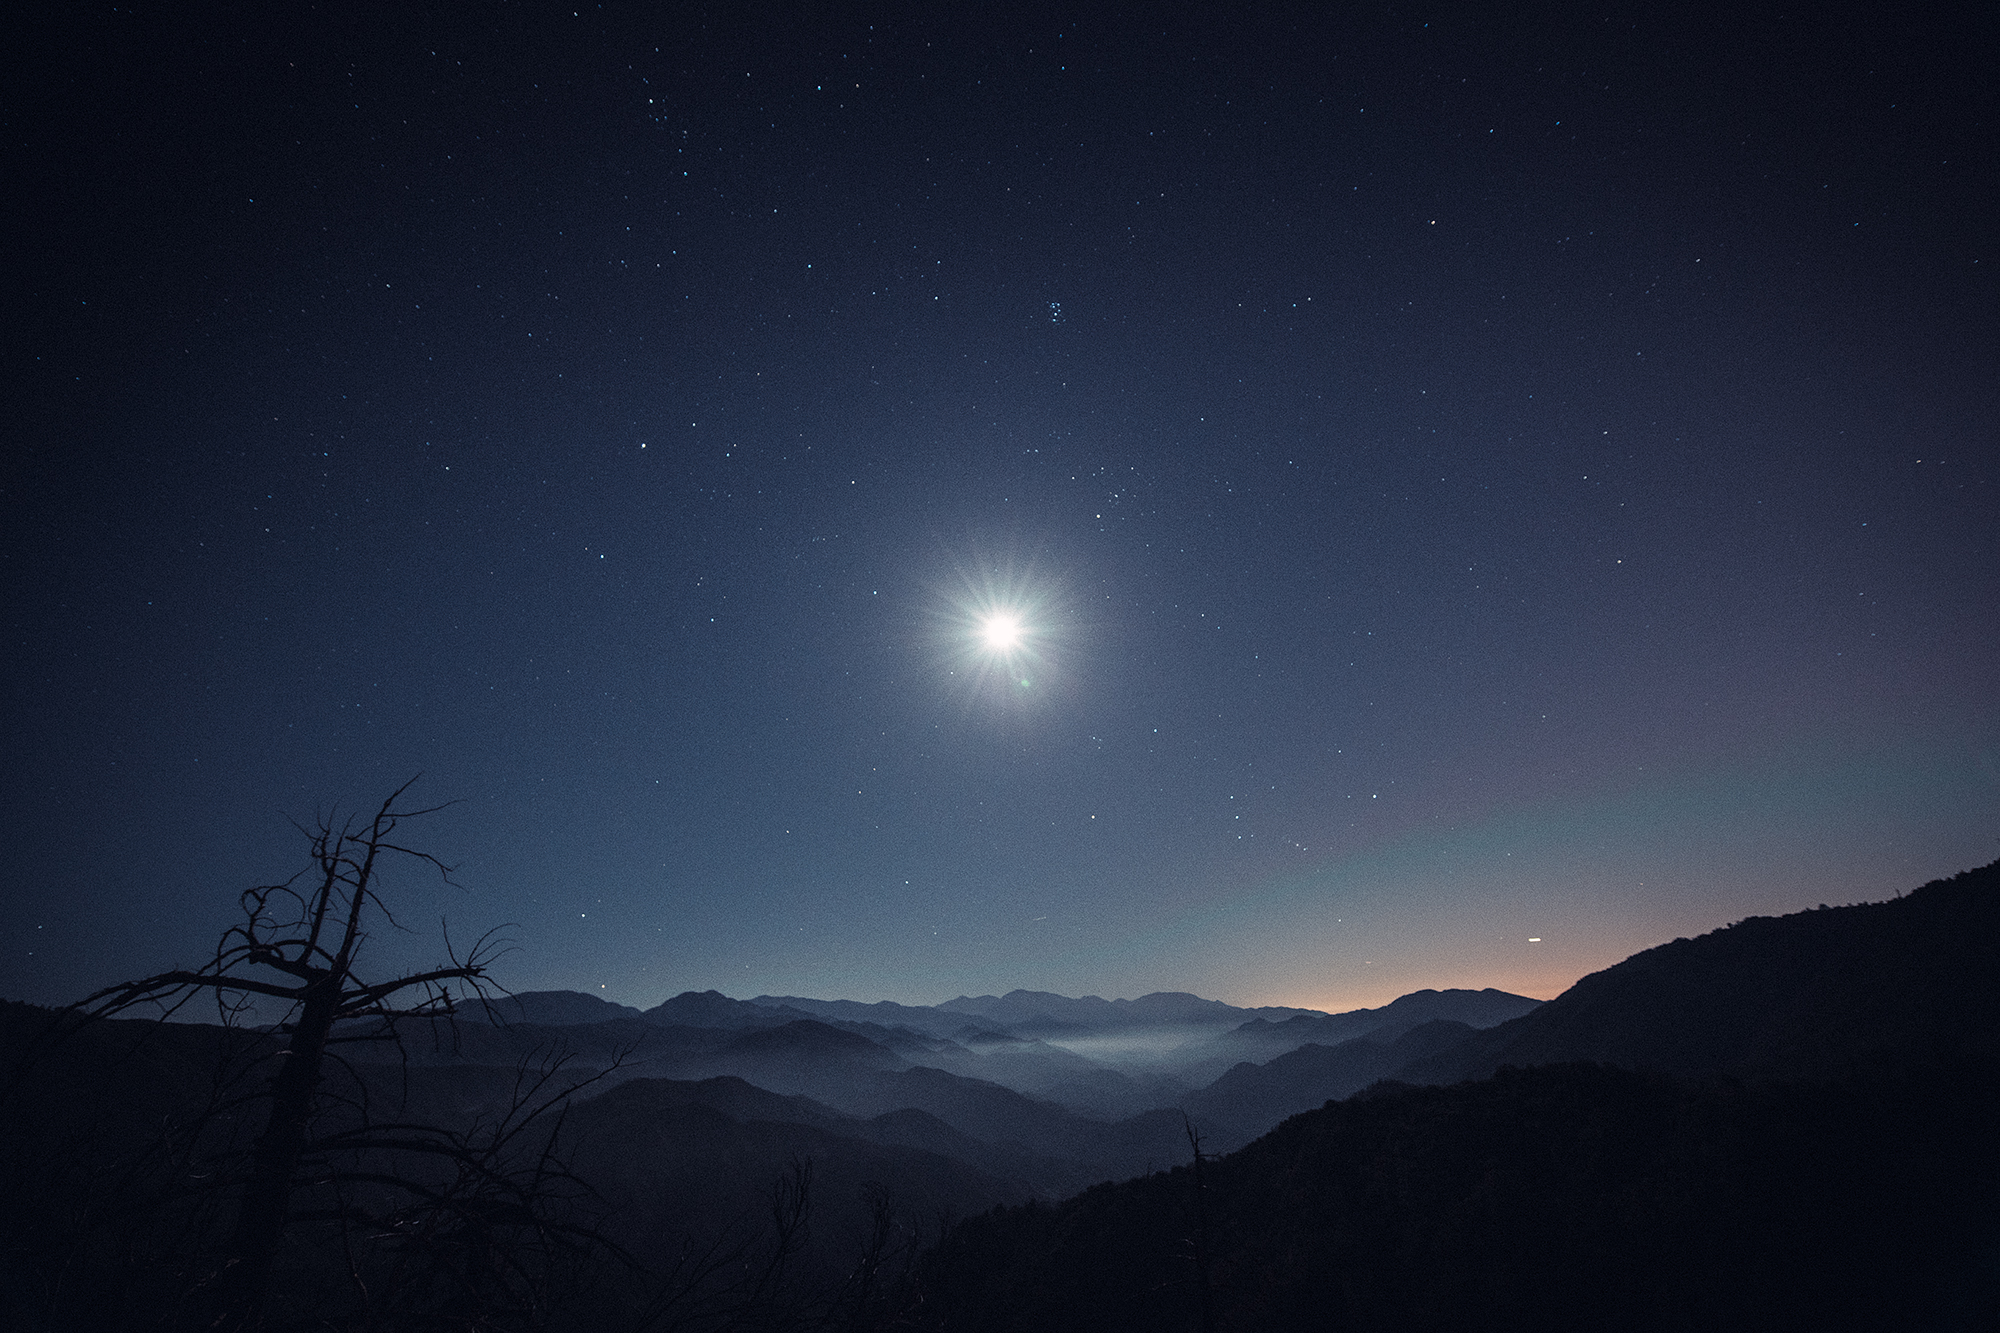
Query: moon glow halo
point(1001, 632)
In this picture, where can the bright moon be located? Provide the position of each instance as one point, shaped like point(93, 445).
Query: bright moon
point(1001, 632)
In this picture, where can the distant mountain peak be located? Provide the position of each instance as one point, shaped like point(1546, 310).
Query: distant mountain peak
point(550, 1008)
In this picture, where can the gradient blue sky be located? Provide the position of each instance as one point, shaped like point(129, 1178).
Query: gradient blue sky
point(1464, 481)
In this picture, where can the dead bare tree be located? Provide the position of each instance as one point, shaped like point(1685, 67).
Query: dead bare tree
point(481, 1222)
point(1199, 1250)
point(299, 949)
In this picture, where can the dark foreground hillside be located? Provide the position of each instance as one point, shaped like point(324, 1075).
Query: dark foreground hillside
point(655, 1205)
point(1814, 1143)
point(1568, 1197)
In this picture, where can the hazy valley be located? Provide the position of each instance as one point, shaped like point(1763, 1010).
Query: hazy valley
point(683, 1129)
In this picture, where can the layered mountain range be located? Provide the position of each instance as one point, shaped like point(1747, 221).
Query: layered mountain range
point(684, 1114)
point(1100, 1084)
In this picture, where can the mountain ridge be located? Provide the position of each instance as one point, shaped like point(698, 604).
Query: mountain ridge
point(1807, 994)
point(1794, 1111)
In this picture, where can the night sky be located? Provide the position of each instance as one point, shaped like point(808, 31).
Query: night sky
point(1480, 496)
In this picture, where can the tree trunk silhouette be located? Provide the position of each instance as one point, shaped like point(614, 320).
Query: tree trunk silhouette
point(265, 1209)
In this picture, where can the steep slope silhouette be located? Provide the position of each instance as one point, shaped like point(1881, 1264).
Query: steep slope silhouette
point(1812, 994)
point(1814, 1150)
